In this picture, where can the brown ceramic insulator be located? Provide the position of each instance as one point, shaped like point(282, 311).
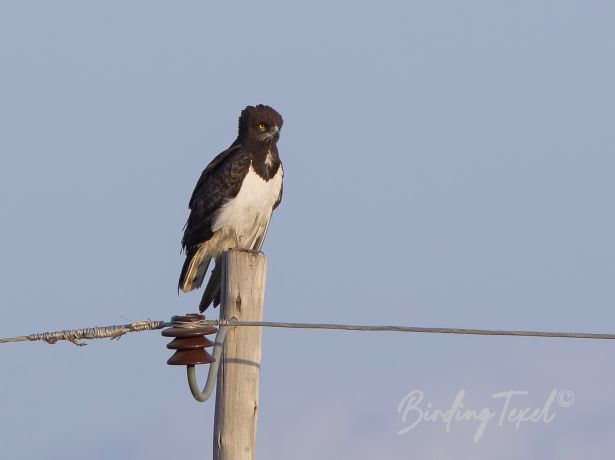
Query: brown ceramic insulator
point(186, 357)
point(188, 332)
point(187, 318)
point(189, 343)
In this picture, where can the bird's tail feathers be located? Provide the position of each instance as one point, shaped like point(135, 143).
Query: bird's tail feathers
point(212, 291)
point(195, 268)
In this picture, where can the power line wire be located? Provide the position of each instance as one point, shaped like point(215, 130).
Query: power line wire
point(116, 331)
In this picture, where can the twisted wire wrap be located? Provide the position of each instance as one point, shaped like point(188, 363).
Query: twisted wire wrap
point(75, 335)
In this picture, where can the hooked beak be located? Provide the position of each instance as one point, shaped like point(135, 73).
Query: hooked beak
point(276, 133)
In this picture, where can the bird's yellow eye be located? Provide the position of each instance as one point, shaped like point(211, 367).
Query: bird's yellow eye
point(262, 126)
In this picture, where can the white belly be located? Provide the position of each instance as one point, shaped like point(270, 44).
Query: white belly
point(247, 215)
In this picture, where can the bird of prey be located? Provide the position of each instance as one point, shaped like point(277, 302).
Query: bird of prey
point(233, 200)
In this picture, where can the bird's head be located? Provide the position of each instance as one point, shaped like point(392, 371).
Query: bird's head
point(260, 123)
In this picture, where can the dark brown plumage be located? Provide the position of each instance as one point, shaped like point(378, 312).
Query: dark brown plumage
point(233, 200)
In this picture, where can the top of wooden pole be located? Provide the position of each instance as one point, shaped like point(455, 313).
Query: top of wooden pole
point(243, 294)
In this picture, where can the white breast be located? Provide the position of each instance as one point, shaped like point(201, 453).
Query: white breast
point(247, 215)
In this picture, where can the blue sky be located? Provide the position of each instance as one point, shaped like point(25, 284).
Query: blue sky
point(447, 164)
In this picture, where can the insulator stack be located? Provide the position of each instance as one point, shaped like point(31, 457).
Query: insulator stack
point(189, 342)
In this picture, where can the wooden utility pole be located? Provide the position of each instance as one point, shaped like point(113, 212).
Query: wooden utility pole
point(243, 294)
